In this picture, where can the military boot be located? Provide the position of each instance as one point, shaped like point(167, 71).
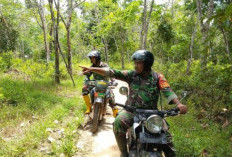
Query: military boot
point(88, 104)
point(122, 144)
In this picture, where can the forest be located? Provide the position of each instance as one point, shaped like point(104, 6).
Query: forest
point(43, 43)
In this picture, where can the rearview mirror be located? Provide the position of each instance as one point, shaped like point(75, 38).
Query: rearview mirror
point(123, 90)
point(184, 94)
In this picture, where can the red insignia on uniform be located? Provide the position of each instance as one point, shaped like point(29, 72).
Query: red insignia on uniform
point(163, 83)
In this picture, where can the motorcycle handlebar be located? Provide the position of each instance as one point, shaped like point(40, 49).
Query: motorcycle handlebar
point(114, 84)
point(166, 113)
point(110, 84)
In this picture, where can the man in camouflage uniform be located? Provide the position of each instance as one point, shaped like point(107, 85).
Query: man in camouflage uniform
point(95, 58)
point(144, 88)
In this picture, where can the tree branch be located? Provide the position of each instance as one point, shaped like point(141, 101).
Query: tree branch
point(77, 4)
point(62, 19)
point(65, 63)
point(4, 20)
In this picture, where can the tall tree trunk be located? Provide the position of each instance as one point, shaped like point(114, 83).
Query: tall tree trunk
point(227, 46)
point(46, 46)
point(122, 53)
point(67, 24)
point(115, 42)
point(50, 36)
point(122, 36)
point(69, 51)
point(191, 48)
point(57, 58)
point(103, 39)
point(6, 32)
point(173, 8)
point(107, 52)
point(204, 30)
point(63, 57)
point(147, 26)
point(105, 49)
point(143, 24)
point(43, 26)
point(55, 23)
point(68, 27)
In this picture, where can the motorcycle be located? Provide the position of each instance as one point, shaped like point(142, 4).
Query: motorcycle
point(147, 136)
point(99, 98)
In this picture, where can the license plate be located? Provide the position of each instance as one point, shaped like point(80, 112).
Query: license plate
point(99, 94)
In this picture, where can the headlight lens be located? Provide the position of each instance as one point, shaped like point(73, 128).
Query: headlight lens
point(154, 124)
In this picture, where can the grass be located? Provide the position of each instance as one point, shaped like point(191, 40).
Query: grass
point(194, 138)
point(21, 100)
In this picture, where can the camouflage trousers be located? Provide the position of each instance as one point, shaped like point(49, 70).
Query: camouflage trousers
point(109, 95)
point(124, 121)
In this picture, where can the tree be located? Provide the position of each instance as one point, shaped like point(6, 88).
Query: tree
point(55, 23)
point(191, 47)
point(205, 26)
point(39, 5)
point(145, 24)
point(70, 8)
point(8, 35)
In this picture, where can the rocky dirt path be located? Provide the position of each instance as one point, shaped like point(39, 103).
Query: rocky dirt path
point(102, 143)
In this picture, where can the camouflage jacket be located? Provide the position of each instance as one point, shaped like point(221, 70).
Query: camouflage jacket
point(96, 76)
point(144, 91)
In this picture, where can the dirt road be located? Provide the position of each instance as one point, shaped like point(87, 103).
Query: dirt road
point(102, 143)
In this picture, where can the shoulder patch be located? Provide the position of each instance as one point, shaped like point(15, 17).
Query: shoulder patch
point(163, 83)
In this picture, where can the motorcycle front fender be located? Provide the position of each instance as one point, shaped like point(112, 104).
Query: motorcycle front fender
point(133, 153)
point(144, 153)
point(150, 154)
point(108, 93)
point(98, 100)
point(153, 138)
point(135, 125)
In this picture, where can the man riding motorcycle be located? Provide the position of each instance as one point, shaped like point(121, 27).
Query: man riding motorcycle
point(95, 58)
point(144, 88)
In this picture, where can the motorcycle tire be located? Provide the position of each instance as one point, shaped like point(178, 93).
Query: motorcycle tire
point(150, 154)
point(96, 117)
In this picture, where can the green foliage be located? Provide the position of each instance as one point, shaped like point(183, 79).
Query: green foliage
point(166, 32)
point(195, 137)
point(18, 92)
point(22, 99)
point(26, 85)
point(209, 89)
point(8, 35)
point(5, 60)
point(36, 71)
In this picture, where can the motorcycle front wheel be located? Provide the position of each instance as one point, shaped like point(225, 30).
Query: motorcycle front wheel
point(97, 109)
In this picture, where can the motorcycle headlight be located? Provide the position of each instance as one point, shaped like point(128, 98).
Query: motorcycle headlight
point(154, 124)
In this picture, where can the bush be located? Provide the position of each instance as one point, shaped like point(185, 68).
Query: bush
point(5, 61)
point(209, 89)
point(38, 70)
point(34, 97)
